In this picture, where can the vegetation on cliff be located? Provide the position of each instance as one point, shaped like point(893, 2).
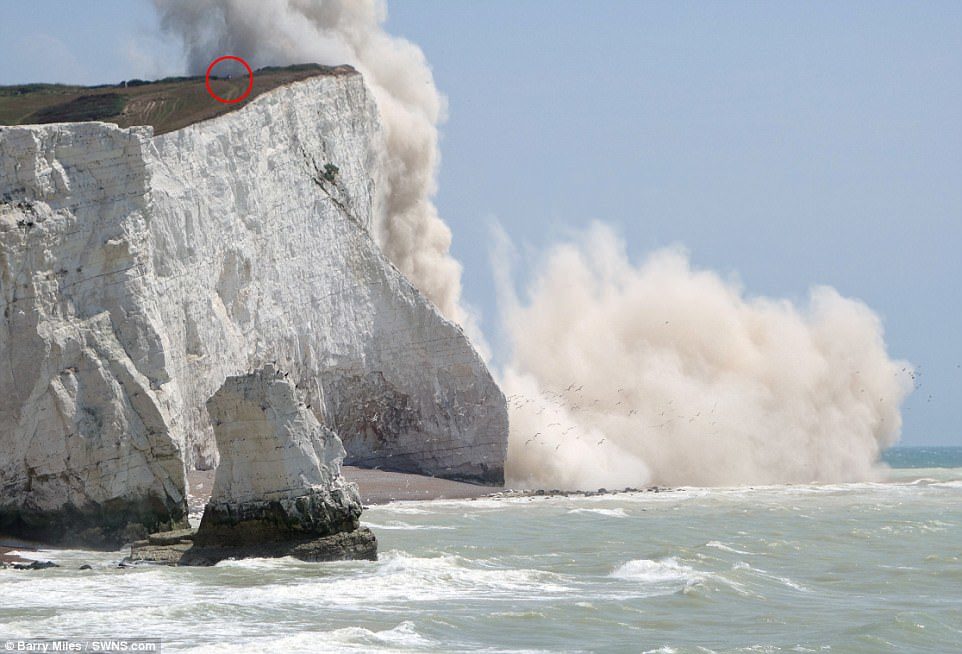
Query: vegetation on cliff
point(167, 104)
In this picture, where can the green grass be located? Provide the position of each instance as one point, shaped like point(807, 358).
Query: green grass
point(84, 107)
point(167, 104)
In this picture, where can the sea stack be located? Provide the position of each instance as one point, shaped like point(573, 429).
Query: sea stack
point(278, 490)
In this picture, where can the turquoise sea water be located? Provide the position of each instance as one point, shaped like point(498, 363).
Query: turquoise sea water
point(867, 567)
point(923, 457)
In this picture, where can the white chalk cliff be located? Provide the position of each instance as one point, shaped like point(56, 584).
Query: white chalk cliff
point(137, 272)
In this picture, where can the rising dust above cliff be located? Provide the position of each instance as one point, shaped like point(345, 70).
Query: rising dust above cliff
point(278, 32)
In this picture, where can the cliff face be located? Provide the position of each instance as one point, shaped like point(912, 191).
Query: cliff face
point(138, 272)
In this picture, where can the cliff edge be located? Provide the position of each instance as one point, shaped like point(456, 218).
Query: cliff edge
point(138, 272)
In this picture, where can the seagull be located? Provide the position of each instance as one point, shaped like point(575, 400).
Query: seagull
point(602, 441)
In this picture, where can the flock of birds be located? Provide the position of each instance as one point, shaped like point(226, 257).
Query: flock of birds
point(572, 399)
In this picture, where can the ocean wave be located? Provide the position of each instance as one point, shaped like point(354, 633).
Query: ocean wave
point(519, 614)
point(758, 572)
point(277, 563)
point(401, 638)
point(403, 526)
point(405, 635)
point(726, 548)
point(453, 572)
point(957, 483)
point(401, 578)
point(663, 571)
point(404, 508)
point(613, 513)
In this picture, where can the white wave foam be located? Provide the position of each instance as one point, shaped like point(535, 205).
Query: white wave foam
point(402, 638)
point(614, 513)
point(658, 572)
point(260, 564)
point(397, 525)
point(742, 565)
point(726, 548)
point(409, 510)
point(948, 484)
point(405, 635)
point(402, 578)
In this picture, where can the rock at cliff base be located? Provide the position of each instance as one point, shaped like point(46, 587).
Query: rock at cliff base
point(278, 490)
point(35, 565)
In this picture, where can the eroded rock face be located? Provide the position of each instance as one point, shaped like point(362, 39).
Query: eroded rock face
point(138, 272)
point(89, 438)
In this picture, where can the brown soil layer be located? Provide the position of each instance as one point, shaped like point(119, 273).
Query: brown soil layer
point(166, 104)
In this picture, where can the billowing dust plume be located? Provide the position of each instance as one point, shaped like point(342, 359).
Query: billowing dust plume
point(620, 374)
point(630, 375)
point(280, 32)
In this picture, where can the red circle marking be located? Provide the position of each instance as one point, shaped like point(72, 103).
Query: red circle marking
point(250, 78)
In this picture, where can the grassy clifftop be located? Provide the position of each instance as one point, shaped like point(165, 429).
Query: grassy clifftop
point(166, 104)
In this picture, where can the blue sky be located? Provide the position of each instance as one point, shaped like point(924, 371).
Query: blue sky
point(790, 144)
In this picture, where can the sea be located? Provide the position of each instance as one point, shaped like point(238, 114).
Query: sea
point(861, 567)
